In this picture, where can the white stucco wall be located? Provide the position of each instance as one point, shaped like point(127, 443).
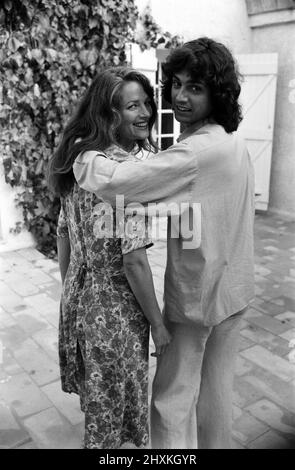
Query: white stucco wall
point(9, 216)
point(224, 20)
point(281, 38)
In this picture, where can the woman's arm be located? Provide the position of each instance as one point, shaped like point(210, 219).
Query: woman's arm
point(63, 254)
point(139, 276)
point(63, 241)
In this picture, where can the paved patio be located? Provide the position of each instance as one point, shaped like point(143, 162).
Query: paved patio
point(36, 414)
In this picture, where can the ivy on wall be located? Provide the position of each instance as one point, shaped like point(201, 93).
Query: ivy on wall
point(49, 52)
point(150, 34)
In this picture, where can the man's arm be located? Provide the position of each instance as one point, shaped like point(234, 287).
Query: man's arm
point(167, 177)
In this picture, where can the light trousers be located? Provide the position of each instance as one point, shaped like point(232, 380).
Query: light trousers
point(192, 390)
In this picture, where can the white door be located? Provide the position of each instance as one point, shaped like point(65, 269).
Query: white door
point(258, 96)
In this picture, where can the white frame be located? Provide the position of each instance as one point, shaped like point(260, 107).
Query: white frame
point(161, 54)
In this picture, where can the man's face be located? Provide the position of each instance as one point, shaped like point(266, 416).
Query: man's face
point(190, 100)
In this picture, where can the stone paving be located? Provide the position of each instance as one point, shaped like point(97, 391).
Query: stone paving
point(36, 414)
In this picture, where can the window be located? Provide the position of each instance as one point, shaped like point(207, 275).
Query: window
point(149, 62)
point(167, 128)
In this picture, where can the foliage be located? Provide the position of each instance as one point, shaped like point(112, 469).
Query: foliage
point(49, 52)
point(150, 34)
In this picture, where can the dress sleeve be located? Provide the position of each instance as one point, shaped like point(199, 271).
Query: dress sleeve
point(137, 233)
point(62, 226)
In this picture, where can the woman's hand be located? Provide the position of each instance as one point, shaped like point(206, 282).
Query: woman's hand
point(161, 338)
point(140, 278)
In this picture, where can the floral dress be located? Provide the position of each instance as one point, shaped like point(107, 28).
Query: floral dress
point(103, 333)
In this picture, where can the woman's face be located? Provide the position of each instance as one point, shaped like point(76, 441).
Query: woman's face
point(135, 112)
point(191, 101)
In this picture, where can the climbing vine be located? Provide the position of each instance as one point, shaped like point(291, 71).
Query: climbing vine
point(150, 34)
point(49, 52)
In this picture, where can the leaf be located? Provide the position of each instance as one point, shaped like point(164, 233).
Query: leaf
point(14, 44)
point(61, 10)
point(51, 53)
point(7, 5)
point(7, 163)
point(46, 229)
point(92, 56)
point(36, 54)
point(44, 23)
point(29, 76)
point(36, 90)
point(18, 59)
point(39, 166)
point(93, 22)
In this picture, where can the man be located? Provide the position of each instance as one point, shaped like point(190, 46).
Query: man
point(207, 289)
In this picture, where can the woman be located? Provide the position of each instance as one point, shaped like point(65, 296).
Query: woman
point(108, 298)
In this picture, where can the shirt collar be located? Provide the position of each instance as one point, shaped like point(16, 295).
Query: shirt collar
point(202, 128)
point(120, 155)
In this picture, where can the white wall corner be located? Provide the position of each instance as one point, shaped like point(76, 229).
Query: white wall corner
point(9, 216)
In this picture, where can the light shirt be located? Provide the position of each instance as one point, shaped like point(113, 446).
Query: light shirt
point(207, 166)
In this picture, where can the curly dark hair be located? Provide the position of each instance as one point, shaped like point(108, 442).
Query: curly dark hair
point(211, 63)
